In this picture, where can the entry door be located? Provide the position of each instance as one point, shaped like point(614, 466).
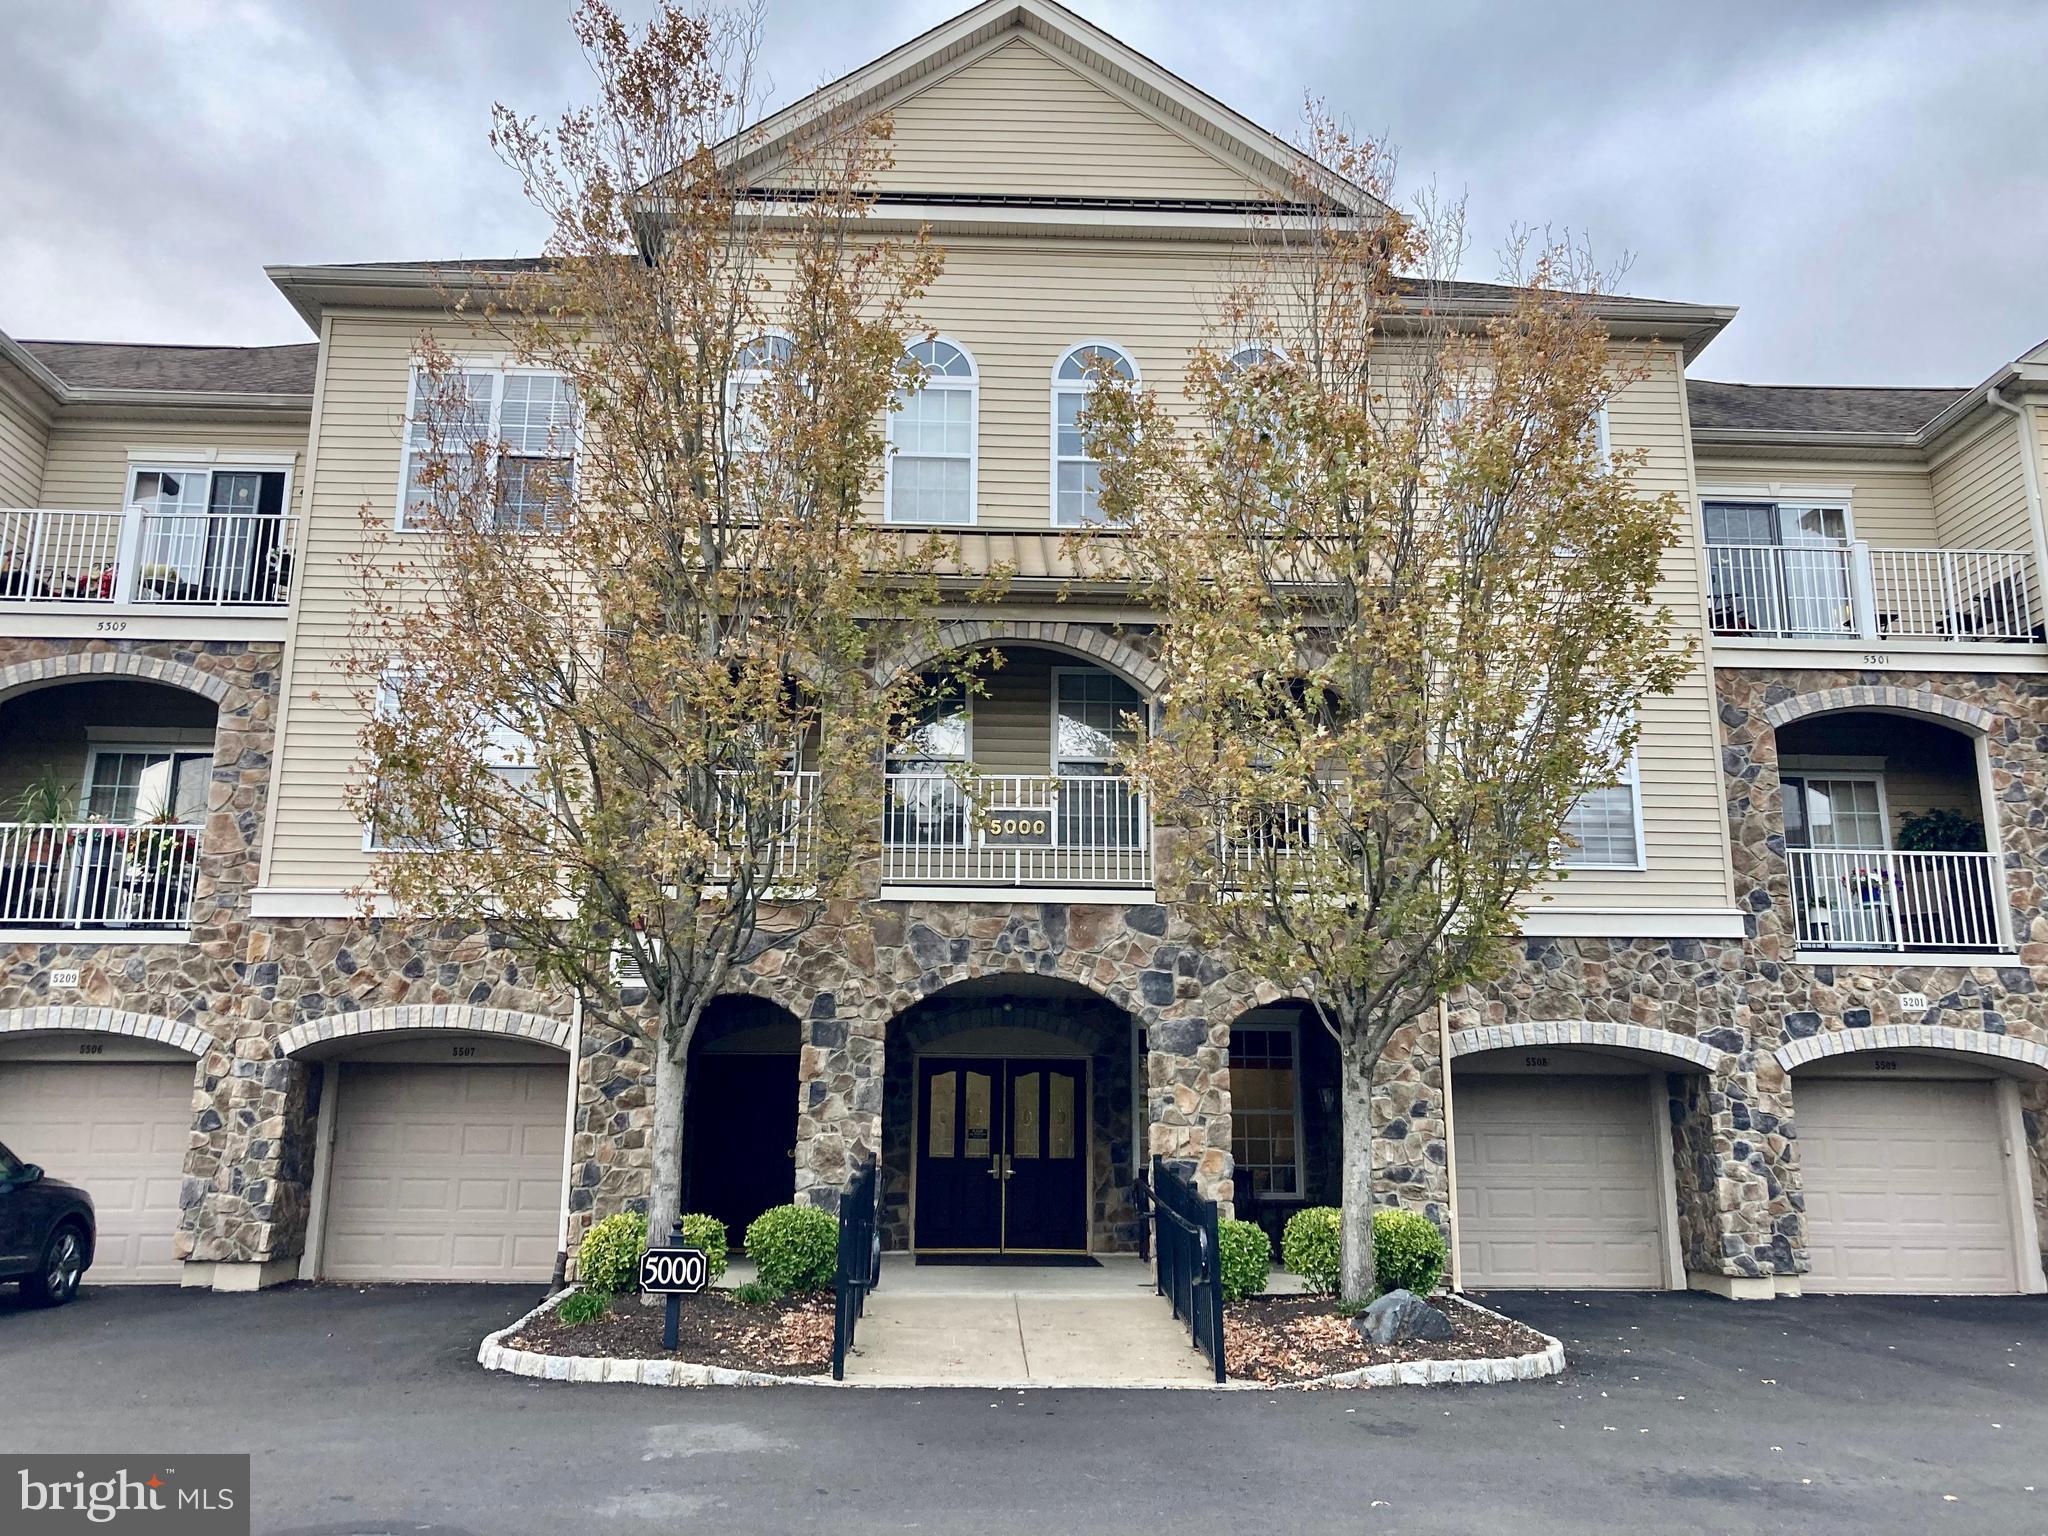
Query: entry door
point(959, 1154)
point(1045, 1202)
point(739, 1137)
point(1002, 1155)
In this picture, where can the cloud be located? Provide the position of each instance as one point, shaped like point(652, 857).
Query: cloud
point(1850, 172)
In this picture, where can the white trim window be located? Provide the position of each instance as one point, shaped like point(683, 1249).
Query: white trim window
point(135, 782)
point(516, 426)
point(933, 433)
point(1605, 824)
point(210, 532)
point(508, 755)
point(753, 368)
point(1077, 478)
point(1265, 1110)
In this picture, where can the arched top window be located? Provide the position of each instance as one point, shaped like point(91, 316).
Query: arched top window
point(767, 351)
point(1077, 478)
point(932, 436)
point(1252, 356)
point(753, 365)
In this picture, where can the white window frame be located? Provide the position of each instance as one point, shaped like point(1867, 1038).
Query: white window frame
point(1603, 442)
point(173, 742)
point(386, 690)
point(738, 379)
point(501, 370)
point(1291, 1027)
point(971, 387)
point(1143, 711)
point(1060, 387)
point(1781, 496)
point(966, 758)
point(1631, 777)
point(1838, 771)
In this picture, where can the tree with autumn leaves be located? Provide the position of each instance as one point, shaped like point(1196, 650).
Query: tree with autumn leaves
point(619, 667)
point(1405, 598)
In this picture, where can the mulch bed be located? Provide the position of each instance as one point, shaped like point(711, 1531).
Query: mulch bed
point(1282, 1339)
point(792, 1337)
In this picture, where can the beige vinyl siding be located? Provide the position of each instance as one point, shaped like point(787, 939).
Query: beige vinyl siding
point(1892, 505)
point(1678, 765)
point(24, 441)
point(1021, 121)
point(87, 468)
point(1012, 730)
point(1980, 489)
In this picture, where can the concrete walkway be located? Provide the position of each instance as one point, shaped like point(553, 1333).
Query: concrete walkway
point(1004, 1326)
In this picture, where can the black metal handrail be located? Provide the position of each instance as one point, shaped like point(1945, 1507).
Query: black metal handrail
point(860, 1259)
point(1189, 1271)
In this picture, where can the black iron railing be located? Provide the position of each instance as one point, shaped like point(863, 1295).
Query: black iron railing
point(860, 1259)
point(1190, 1259)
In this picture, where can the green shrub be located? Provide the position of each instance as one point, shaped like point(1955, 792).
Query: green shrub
point(1247, 1255)
point(583, 1307)
point(609, 1259)
point(708, 1233)
point(1408, 1251)
point(756, 1293)
point(1311, 1246)
point(795, 1248)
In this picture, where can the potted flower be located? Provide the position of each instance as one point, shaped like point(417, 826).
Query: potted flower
point(38, 840)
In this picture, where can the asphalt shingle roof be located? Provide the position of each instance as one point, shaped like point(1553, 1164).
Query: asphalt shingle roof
point(1813, 408)
point(286, 370)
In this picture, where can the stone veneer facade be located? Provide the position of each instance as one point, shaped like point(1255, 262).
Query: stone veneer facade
point(250, 997)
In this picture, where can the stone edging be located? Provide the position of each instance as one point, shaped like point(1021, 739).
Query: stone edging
point(496, 1355)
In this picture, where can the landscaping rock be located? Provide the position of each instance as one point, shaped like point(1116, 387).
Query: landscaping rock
point(1400, 1316)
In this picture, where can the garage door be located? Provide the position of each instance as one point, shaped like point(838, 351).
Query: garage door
point(1905, 1186)
point(119, 1131)
point(445, 1173)
point(1558, 1183)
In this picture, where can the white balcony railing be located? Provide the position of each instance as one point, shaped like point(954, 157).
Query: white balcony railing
point(1014, 829)
point(1857, 592)
point(184, 559)
point(1849, 898)
point(97, 874)
point(789, 837)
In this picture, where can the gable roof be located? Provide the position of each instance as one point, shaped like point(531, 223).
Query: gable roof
point(1266, 159)
point(1718, 407)
point(285, 370)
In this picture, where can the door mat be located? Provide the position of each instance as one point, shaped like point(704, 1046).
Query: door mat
point(1012, 1260)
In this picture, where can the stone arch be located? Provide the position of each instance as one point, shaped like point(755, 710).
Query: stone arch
point(188, 1038)
point(1917, 701)
point(384, 1021)
point(1589, 1032)
point(1086, 642)
point(80, 666)
point(1912, 1037)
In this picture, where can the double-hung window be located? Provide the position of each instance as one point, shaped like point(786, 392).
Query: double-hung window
point(506, 752)
point(490, 442)
point(1092, 712)
point(1604, 827)
point(753, 369)
point(932, 439)
point(927, 798)
point(1076, 477)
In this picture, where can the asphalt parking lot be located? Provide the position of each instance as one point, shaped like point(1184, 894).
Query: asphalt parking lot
point(364, 1412)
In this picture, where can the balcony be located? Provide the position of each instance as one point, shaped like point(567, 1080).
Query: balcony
point(1014, 830)
point(97, 875)
point(1854, 593)
point(147, 560)
point(1869, 899)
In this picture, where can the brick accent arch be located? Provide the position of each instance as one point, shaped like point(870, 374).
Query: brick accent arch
point(1087, 641)
point(1918, 701)
point(80, 665)
point(384, 1021)
point(1589, 1032)
point(1912, 1037)
point(188, 1038)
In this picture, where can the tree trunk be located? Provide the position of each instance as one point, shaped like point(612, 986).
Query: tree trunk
point(1355, 1277)
point(665, 1195)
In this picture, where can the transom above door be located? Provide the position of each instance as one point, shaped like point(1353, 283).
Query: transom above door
point(1002, 1155)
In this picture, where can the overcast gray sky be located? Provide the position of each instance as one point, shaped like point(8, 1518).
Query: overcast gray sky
point(1865, 178)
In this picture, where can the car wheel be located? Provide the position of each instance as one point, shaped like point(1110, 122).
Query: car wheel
point(56, 1278)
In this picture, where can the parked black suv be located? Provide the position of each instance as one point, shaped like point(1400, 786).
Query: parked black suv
point(46, 1231)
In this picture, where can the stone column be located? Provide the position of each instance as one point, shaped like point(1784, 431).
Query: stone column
point(1187, 1096)
point(839, 1098)
point(1731, 1158)
point(248, 1172)
point(1411, 1160)
point(612, 1153)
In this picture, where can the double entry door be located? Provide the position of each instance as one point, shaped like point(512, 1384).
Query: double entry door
point(1002, 1155)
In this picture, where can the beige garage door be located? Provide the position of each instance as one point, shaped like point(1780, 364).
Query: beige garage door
point(1558, 1183)
point(1905, 1186)
point(119, 1131)
point(445, 1173)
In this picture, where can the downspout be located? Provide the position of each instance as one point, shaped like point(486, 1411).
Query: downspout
point(1443, 1038)
point(2030, 457)
point(560, 1278)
